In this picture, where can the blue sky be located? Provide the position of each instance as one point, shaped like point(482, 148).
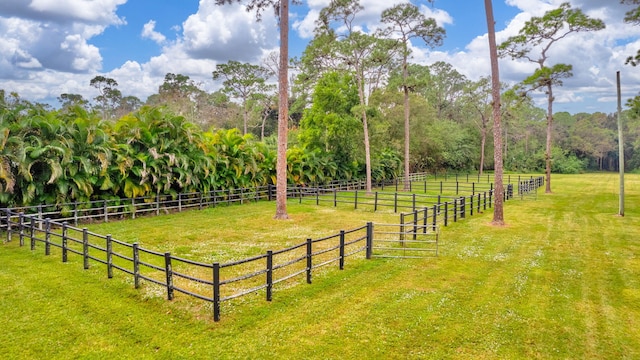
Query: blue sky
point(49, 47)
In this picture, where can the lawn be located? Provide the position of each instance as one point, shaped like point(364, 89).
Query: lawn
point(561, 280)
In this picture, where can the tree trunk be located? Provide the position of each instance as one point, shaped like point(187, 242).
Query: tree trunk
point(483, 142)
point(283, 113)
point(498, 208)
point(547, 154)
point(407, 183)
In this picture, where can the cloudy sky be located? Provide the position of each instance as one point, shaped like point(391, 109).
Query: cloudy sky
point(50, 47)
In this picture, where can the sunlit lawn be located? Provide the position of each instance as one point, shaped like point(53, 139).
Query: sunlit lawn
point(561, 280)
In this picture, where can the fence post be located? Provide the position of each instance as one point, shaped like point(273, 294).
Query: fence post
point(426, 218)
point(375, 201)
point(457, 185)
point(133, 208)
point(85, 247)
point(169, 272)
point(341, 262)
point(355, 200)
point(471, 204)
point(490, 196)
point(21, 228)
point(216, 288)
point(9, 225)
point(440, 188)
point(157, 204)
point(269, 192)
point(335, 197)
point(40, 216)
point(484, 200)
point(401, 228)
point(455, 210)
point(136, 266)
point(415, 223)
point(105, 210)
point(75, 213)
point(269, 275)
point(109, 257)
point(47, 236)
point(317, 195)
point(395, 202)
point(446, 213)
point(309, 262)
point(179, 202)
point(32, 232)
point(369, 245)
point(435, 214)
point(413, 199)
point(478, 210)
point(64, 242)
point(473, 188)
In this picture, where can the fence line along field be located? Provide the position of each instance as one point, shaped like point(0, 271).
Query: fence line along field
point(559, 281)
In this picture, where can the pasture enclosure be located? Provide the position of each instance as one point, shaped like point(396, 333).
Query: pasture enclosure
point(560, 281)
point(416, 235)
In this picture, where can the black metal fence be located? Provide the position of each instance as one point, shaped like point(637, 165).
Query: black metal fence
point(212, 282)
point(219, 282)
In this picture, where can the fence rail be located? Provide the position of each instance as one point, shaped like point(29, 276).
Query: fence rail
point(434, 191)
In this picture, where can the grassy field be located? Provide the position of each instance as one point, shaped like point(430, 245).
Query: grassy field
point(561, 280)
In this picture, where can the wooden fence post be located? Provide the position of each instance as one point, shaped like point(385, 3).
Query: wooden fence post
point(105, 209)
point(109, 257)
point(21, 228)
point(395, 202)
point(341, 261)
point(75, 213)
point(309, 260)
point(32, 232)
point(455, 210)
point(375, 201)
point(40, 216)
point(85, 247)
point(169, 275)
point(402, 230)
point(216, 291)
point(136, 266)
point(64, 242)
point(435, 214)
point(484, 200)
point(269, 275)
point(355, 200)
point(47, 236)
point(446, 213)
point(9, 230)
point(369, 241)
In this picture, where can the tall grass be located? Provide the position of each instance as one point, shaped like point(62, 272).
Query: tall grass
point(561, 280)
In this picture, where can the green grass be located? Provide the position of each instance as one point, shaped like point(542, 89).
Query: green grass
point(561, 280)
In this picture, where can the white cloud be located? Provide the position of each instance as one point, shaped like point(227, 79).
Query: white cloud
point(228, 32)
point(148, 32)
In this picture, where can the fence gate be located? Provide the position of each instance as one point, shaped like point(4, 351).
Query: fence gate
point(405, 240)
